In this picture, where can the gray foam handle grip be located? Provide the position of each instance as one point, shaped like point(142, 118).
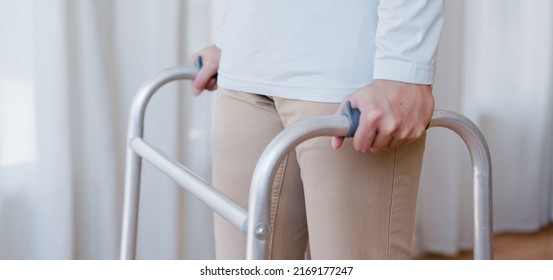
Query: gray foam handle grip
point(353, 117)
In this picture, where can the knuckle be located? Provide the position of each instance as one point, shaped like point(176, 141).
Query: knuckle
point(418, 133)
point(393, 126)
point(404, 135)
point(373, 116)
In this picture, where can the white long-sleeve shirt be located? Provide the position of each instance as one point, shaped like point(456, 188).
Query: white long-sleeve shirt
point(323, 50)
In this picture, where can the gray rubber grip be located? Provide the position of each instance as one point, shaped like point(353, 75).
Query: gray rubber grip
point(353, 117)
point(198, 63)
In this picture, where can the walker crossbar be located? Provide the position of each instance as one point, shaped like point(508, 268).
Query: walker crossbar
point(219, 203)
point(255, 221)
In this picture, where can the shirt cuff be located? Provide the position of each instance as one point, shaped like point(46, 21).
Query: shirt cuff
point(407, 72)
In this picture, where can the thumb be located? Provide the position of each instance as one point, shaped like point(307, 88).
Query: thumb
point(337, 142)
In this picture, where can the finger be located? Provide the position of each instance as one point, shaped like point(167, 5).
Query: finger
point(384, 137)
point(201, 80)
point(396, 142)
point(337, 142)
point(366, 132)
point(381, 142)
point(212, 84)
point(415, 135)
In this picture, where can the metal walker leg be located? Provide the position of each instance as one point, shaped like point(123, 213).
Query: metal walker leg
point(254, 223)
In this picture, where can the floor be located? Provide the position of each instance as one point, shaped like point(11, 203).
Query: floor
point(534, 246)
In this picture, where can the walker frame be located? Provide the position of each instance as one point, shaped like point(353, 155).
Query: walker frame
point(254, 223)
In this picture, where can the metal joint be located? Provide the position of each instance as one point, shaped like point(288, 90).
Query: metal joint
point(262, 232)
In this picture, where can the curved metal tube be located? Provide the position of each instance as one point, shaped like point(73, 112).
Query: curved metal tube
point(263, 176)
point(283, 143)
point(133, 162)
point(482, 178)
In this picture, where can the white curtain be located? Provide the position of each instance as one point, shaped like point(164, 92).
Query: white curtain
point(69, 69)
point(68, 72)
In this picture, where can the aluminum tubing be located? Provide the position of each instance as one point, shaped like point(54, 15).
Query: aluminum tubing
point(482, 178)
point(133, 163)
point(265, 170)
point(258, 219)
point(214, 199)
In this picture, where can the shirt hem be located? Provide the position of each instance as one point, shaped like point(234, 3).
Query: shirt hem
point(323, 95)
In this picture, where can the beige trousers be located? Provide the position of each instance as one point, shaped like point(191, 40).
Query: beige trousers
point(347, 205)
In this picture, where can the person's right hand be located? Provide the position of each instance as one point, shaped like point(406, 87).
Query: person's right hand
point(206, 79)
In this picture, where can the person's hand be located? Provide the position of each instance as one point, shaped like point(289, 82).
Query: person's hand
point(392, 114)
point(206, 79)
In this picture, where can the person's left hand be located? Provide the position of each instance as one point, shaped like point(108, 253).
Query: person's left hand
point(392, 114)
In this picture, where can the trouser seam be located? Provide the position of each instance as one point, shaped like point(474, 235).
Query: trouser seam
point(276, 188)
point(394, 174)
